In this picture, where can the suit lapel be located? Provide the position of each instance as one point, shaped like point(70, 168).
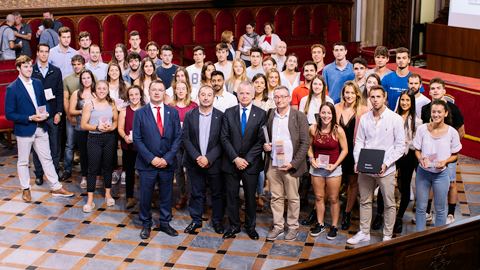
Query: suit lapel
point(25, 92)
point(196, 126)
point(213, 127)
point(166, 115)
point(251, 118)
point(270, 123)
point(236, 115)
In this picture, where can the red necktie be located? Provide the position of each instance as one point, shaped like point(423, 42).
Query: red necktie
point(159, 120)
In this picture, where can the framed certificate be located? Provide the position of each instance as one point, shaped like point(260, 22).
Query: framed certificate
point(370, 161)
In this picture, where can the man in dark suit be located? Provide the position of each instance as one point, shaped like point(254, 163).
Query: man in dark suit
point(242, 139)
point(201, 141)
point(24, 101)
point(51, 78)
point(156, 136)
point(289, 128)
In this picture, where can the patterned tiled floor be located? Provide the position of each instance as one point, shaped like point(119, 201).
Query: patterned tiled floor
point(54, 233)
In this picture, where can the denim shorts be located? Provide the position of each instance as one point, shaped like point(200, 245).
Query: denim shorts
point(324, 173)
point(452, 171)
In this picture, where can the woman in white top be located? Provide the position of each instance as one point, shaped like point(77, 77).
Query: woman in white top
point(239, 74)
point(117, 86)
point(372, 79)
point(310, 104)
point(270, 38)
point(147, 75)
point(290, 77)
point(181, 74)
point(273, 80)
point(439, 143)
point(246, 42)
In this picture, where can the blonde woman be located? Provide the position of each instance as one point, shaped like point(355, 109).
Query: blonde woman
point(228, 38)
point(239, 74)
point(181, 74)
point(349, 111)
point(273, 80)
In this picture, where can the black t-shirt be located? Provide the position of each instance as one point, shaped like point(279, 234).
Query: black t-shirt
point(166, 74)
point(457, 117)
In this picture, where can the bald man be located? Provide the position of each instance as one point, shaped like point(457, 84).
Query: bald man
point(281, 49)
point(7, 38)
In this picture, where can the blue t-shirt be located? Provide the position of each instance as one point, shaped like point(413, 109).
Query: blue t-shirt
point(166, 75)
point(336, 78)
point(394, 86)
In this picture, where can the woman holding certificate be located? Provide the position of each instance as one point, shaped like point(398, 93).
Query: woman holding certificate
point(100, 119)
point(436, 144)
point(325, 157)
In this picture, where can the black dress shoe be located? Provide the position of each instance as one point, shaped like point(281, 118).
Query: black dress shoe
point(377, 223)
point(168, 230)
point(218, 227)
point(398, 227)
point(346, 220)
point(230, 233)
point(145, 233)
point(252, 234)
point(65, 176)
point(311, 219)
point(192, 227)
point(39, 180)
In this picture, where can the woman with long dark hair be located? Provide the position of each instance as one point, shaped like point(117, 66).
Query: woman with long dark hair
point(436, 145)
point(372, 79)
point(207, 70)
point(120, 54)
point(290, 76)
point(327, 142)
point(147, 75)
point(129, 153)
point(310, 104)
point(100, 119)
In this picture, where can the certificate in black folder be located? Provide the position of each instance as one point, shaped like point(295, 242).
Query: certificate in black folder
point(370, 161)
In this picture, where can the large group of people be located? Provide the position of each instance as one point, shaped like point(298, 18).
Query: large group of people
point(250, 120)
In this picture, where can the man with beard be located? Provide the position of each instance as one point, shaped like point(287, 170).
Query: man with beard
point(223, 99)
point(85, 41)
point(415, 82)
point(396, 82)
point(381, 56)
point(338, 72)
point(309, 71)
point(133, 72)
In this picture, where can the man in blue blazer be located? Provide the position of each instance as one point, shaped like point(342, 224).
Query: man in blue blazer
point(22, 101)
point(51, 78)
point(203, 149)
point(156, 136)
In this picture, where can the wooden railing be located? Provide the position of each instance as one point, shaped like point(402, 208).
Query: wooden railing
point(454, 246)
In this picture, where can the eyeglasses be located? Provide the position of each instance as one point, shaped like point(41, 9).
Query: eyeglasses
point(279, 97)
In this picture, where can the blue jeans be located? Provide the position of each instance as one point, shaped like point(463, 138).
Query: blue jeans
point(440, 182)
point(69, 148)
point(54, 141)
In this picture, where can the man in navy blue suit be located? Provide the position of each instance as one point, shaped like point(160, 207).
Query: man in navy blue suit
point(51, 78)
point(24, 100)
point(201, 141)
point(156, 136)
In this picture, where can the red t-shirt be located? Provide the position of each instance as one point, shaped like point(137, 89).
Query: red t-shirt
point(143, 54)
point(298, 93)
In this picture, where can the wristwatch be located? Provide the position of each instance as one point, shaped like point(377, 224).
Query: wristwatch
point(30, 118)
point(59, 113)
point(96, 128)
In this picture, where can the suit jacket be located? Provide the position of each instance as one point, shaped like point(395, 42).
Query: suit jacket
point(249, 146)
point(148, 141)
point(298, 128)
point(19, 106)
point(191, 144)
point(53, 80)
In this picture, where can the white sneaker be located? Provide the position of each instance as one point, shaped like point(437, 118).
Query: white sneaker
point(114, 178)
point(429, 218)
point(450, 219)
point(359, 237)
point(386, 238)
point(412, 196)
point(122, 179)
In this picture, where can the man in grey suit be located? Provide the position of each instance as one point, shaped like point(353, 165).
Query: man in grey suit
point(285, 161)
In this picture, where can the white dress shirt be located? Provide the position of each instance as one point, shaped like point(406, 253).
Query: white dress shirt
point(224, 101)
point(387, 134)
point(280, 132)
point(247, 112)
point(31, 92)
point(154, 111)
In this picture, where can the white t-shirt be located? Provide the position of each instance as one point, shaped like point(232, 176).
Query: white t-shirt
point(419, 103)
point(226, 70)
point(443, 146)
point(313, 108)
point(195, 76)
point(251, 73)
